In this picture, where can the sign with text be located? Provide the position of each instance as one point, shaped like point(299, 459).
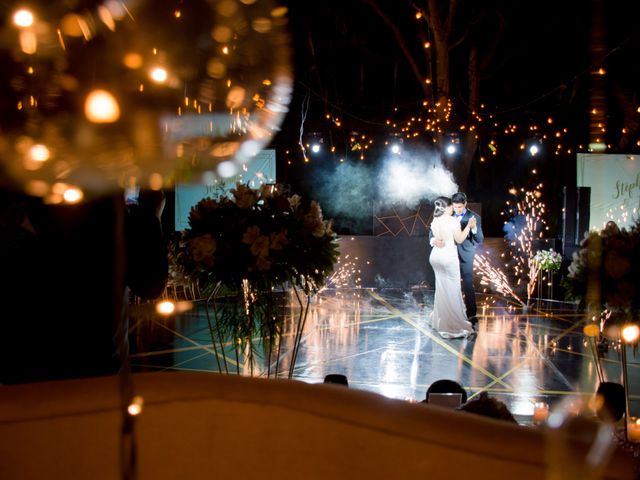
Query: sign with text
point(615, 187)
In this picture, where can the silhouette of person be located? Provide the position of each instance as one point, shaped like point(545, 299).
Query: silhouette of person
point(147, 254)
point(446, 386)
point(72, 294)
point(610, 401)
point(336, 378)
point(488, 407)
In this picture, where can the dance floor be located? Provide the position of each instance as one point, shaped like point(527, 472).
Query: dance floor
point(381, 340)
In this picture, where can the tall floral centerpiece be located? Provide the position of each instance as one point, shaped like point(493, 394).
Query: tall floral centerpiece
point(545, 264)
point(251, 248)
point(603, 278)
point(603, 275)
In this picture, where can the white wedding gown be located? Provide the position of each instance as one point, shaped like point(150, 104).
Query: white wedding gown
point(448, 317)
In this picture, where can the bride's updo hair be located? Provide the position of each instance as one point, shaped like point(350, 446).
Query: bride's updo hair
point(441, 204)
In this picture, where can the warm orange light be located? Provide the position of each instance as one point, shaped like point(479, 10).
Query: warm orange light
point(23, 18)
point(72, 195)
point(591, 330)
point(101, 107)
point(166, 307)
point(630, 333)
point(158, 74)
point(135, 407)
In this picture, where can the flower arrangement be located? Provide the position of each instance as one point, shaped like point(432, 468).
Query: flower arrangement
point(548, 260)
point(250, 246)
point(261, 236)
point(605, 271)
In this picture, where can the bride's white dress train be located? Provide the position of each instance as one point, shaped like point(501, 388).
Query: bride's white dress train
point(448, 317)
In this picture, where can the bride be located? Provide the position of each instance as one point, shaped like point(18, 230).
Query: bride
point(448, 317)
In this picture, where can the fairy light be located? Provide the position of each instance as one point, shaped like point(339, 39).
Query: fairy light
point(39, 153)
point(165, 307)
point(158, 74)
point(72, 195)
point(630, 333)
point(135, 407)
point(23, 18)
point(101, 107)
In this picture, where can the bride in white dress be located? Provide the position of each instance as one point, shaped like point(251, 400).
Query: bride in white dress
point(448, 317)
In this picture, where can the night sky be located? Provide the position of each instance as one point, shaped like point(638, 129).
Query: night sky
point(536, 63)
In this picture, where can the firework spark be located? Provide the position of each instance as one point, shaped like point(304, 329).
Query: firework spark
point(491, 276)
point(525, 224)
point(345, 275)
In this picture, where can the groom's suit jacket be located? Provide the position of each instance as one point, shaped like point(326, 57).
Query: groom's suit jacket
point(467, 249)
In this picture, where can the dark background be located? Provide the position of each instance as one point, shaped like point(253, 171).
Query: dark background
point(349, 66)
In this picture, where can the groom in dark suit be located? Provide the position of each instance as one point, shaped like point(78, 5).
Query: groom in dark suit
point(467, 251)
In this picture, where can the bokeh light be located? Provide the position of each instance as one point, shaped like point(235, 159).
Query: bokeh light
point(97, 93)
point(630, 333)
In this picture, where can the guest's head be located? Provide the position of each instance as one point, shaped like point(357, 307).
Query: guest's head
point(488, 407)
point(336, 378)
point(446, 386)
point(441, 205)
point(610, 401)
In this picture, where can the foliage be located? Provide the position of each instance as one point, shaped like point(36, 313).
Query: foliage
point(247, 249)
point(604, 272)
point(548, 260)
point(262, 237)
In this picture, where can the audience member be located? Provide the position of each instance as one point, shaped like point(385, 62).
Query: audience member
point(68, 294)
point(147, 255)
point(446, 386)
point(337, 379)
point(488, 407)
point(610, 401)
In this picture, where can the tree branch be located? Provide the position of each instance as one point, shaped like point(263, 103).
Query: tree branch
point(403, 46)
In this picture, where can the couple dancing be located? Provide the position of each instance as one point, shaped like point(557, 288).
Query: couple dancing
point(454, 239)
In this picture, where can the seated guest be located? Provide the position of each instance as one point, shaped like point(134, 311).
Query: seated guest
point(66, 278)
point(610, 401)
point(336, 378)
point(488, 407)
point(446, 386)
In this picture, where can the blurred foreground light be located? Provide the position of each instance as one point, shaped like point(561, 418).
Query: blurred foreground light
point(23, 18)
point(135, 407)
point(315, 148)
point(199, 109)
point(395, 149)
point(101, 107)
point(533, 150)
point(72, 195)
point(28, 42)
point(227, 169)
point(133, 60)
point(630, 333)
point(591, 330)
point(166, 307)
point(39, 153)
point(158, 75)
point(451, 149)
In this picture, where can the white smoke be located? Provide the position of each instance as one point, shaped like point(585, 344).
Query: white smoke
point(409, 178)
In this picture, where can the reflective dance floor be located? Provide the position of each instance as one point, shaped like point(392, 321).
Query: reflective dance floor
point(381, 340)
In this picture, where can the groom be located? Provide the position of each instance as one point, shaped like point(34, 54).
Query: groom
point(466, 252)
